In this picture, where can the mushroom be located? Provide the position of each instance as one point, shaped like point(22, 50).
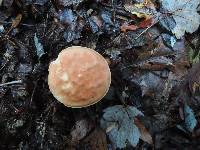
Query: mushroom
point(79, 77)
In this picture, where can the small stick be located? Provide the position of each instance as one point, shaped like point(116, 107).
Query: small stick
point(12, 82)
point(145, 30)
point(23, 24)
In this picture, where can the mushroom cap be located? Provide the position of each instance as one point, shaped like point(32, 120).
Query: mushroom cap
point(79, 77)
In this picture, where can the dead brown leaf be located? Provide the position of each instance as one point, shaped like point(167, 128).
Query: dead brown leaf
point(194, 78)
point(149, 4)
point(126, 27)
point(145, 135)
point(96, 140)
point(15, 22)
point(81, 129)
point(146, 23)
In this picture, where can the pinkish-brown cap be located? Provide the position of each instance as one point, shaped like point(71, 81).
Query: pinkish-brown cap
point(79, 77)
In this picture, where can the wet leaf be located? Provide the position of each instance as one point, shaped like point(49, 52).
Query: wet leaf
point(7, 3)
point(40, 2)
point(146, 23)
point(109, 26)
point(107, 17)
point(156, 63)
point(167, 22)
point(14, 124)
point(67, 16)
point(74, 25)
point(39, 47)
point(70, 2)
point(190, 120)
point(95, 23)
point(150, 84)
point(40, 130)
point(169, 40)
point(15, 22)
point(125, 27)
point(3, 16)
point(24, 68)
point(145, 135)
point(185, 15)
point(95, 143)
point(194, 78)
point(192, 56)
point(81, 129)
point(118, 123)
point(128, 40)
point(145, 9)
point(2, 29)
point(36, 2)
point(113, 53)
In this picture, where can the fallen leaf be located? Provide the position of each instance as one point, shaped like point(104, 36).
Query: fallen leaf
point(81, 129)
point(150, 84)
point(145, 9)
point(138, 11)
point(146, 23)
point(7, 3)
point(72, 23)
point(118, 122)
point(192, 55)
point(190, 120)
point(144, 134)
point(67, 3)
point(184, 13)
point(156, 63)
point(39, 47)
point(95, 23)
point(169, 40)
point(127, 40)
point(126, 27)
point(194, 78)
point(149, 4)
point(96, 140)
point(67, 16)
point(15, 22)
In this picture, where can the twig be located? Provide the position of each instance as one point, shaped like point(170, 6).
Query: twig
point(3, 65)
point(23, 24)
point(12, 82)
point(32, 95)
point(145, 30)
